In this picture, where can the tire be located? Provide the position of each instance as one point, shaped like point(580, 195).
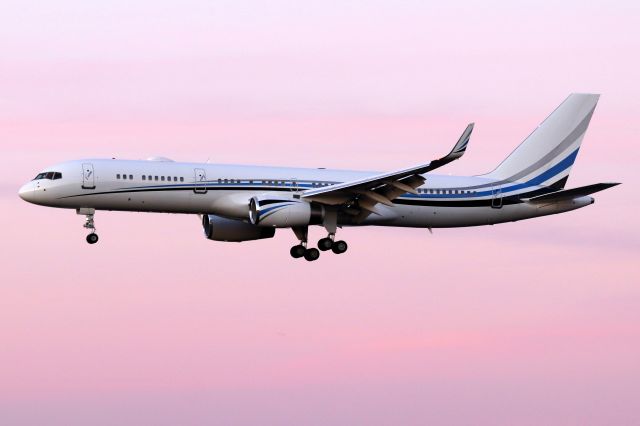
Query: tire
point(312, 254)
point(339, 247)
point(325, 244)
point(92, 238)
point(297, 251)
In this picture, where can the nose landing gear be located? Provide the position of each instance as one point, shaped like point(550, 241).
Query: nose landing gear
point(89, 224)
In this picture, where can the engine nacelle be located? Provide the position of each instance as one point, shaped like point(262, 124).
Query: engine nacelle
point(222, 229)
point(284, 211)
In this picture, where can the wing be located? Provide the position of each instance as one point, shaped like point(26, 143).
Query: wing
point(385, 187)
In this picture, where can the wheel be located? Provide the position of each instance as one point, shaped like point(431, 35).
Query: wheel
point(297, 251)
point(325, 244)
point(312, 254)
point(339, 247)
point(92, 238)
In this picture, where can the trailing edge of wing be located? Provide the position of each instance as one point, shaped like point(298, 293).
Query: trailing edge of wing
point(336, 194)
point(568, 194)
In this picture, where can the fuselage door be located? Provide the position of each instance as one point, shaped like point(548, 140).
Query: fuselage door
point(496, 198)
point(88, 177)
point(294, 185)
point(200, 181)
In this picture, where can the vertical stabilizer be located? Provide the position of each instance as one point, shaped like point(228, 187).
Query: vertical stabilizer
point(546, 156)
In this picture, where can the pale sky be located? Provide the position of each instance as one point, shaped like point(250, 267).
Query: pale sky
point(534, 322)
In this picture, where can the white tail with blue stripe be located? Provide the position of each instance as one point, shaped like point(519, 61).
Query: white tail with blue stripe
point(546, 156)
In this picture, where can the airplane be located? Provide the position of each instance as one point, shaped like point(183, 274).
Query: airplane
point(244, 203)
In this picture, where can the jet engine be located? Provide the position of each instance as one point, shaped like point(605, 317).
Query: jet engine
point(282, 211)
point(222, 229)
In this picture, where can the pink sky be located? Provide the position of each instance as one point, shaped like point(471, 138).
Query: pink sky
point(534, 322)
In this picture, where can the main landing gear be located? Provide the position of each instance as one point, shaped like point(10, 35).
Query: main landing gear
point(311, 254)
point(89, 224)
point(329, 243)
point(301, 250)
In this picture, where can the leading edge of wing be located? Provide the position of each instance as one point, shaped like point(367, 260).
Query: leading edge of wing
point(458, 151)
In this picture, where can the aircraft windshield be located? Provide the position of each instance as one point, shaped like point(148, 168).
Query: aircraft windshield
point(49, 175)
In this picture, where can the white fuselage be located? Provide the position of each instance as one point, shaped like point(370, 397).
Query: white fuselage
point(225, 190)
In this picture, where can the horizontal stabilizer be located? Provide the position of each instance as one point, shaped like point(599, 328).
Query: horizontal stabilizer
point(568, 194)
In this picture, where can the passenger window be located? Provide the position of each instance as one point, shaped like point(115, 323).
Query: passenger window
point(117, 176)
point(181, 179)
point(144, 177)
point(175, 178)
point(156, 177)
point(131, 177)
point(124, 176)
point(162, 178)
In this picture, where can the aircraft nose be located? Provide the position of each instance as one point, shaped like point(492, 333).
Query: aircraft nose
point(26, 192)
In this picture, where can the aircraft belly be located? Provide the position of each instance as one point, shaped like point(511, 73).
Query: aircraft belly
point(449, 217)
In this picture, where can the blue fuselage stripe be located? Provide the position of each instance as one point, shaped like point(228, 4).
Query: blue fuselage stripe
point(531, 183)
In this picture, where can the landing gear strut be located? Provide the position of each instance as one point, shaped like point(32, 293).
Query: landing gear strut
point(89, 224)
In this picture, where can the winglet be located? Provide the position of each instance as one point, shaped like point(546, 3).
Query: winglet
point(461, 146)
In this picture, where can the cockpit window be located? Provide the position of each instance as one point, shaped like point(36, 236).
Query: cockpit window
point(49, 175)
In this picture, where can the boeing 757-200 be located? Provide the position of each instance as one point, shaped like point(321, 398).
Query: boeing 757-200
point(243, 203)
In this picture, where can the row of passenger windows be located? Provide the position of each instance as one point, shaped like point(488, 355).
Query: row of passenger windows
point(49, 175)
point(56, 175)
point(150, 177)
point(445, 191)
point(268, 182)
point(251, 182)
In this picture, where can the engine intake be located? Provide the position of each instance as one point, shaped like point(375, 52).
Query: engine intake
point(222, 229)
point(284, 211)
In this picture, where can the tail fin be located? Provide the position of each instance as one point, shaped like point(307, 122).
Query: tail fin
point(546, 156)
